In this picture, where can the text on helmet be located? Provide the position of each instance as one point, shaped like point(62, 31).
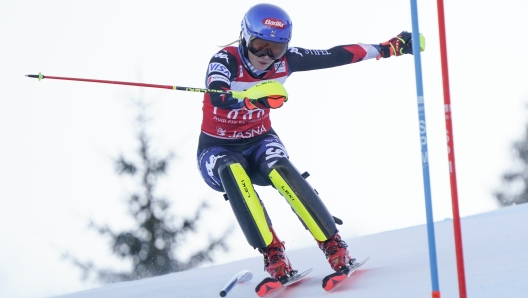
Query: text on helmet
point(274, 23)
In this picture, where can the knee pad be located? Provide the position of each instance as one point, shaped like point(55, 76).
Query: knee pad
point(246, 205)
point(303, 199)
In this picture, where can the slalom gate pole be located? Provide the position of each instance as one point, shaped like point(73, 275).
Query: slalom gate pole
point(41, 77)
point(451, 153)
point(424, 150)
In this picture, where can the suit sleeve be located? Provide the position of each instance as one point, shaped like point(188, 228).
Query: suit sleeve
point(221, 71)
point(301, 59)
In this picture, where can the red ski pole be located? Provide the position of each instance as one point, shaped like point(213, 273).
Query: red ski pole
point(41, 77)
point(272, 89)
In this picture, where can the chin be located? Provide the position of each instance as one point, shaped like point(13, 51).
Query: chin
point(263, 67)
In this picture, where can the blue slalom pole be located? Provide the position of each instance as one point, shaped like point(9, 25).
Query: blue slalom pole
point(424, 149)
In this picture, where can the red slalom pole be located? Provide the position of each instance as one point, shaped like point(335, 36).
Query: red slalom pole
point(451, 153)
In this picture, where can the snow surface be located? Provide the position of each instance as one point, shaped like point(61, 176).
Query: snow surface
point(495, 253)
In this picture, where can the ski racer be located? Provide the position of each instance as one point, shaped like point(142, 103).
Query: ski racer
point(239, 148)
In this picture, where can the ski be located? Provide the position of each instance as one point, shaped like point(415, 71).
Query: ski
point(332, 281)
point(269, 285)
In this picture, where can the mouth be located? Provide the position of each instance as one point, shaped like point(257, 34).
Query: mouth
point(260, 63)
point(264, 62)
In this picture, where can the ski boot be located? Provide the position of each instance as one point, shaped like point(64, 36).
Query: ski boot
point(278, 266)
point(276, 262)
point(336, 252)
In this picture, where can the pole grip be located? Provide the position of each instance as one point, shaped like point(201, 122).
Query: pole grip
point(240, 277)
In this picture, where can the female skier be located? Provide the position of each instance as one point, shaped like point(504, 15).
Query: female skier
point(238, 147)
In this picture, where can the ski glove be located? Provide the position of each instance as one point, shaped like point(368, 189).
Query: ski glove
point(265, 95)
point(269, 102)
point(399, 45)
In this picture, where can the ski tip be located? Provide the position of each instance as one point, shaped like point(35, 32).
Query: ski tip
point(331, 281)
point(266, 286)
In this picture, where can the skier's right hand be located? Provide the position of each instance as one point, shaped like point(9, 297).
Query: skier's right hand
point(264, 95)
point(269, 102)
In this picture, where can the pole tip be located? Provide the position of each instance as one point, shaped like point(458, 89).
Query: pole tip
point(39, 76)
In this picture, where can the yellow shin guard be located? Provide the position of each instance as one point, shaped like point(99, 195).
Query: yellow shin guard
point(246, 205)
point(303, 199)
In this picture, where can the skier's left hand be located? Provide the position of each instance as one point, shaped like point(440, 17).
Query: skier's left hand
point(399, 45)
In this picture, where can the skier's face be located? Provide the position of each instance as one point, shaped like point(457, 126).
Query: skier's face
point(260, 63)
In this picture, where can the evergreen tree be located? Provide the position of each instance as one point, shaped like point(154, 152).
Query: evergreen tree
point(515, 183)
point(152, 244)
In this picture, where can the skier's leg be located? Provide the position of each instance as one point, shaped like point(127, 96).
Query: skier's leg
point(269, 160)
point(253, 219)
point(225, 171)
point(303, 199)
point(246, 205)
point(311, 210)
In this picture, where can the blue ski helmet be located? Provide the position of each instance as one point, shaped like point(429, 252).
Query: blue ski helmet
point(266, 21)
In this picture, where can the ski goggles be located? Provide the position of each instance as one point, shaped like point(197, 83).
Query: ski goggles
point(260, 48)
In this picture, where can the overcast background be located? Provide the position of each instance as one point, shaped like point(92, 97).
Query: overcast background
point(354, 128)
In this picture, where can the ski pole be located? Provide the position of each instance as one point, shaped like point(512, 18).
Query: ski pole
point(240, 277)
point(264, 89)
point(41, 77)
